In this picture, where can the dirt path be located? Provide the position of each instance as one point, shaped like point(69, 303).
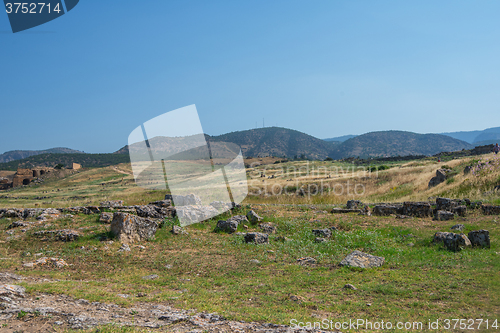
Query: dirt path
point(42, 312)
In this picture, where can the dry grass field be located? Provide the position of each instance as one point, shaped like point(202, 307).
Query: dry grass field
point(213, 271)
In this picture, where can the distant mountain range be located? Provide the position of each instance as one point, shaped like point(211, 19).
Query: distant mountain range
point(20, 154)
point(477, 138)
point(487, 136)
point(341, 138)
point(279, 142)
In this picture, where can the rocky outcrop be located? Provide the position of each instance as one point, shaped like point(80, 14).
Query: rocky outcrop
point(362, 260)
point(129, 228)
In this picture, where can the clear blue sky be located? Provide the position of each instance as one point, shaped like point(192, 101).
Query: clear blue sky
point(326, 68)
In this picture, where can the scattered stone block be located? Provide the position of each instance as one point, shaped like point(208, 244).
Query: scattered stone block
point(112, 203)
point(456, 242)
point(442, 215)
point(354, 204)
point(440, 177)
point(439, 237)
point(350, 286)
point(129, 228)
point(306, 261)
point(106, 217)
point(257, 238)
point(417, 209)
point(176, 230)
point(324, 233)
point(253, 217)
point(460, 210)
point(221, 206)
point(229, 226)
point(480, 238)
point(268, 228)
point(362, 260)
point(345, 211)
point(194, 214)
point(161, 203)
point(320, 240)
point(490, 210)
point(184, 200)
point(385, 210)
point(459, 227)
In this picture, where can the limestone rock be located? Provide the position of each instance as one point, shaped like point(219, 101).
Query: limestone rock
point(307, 261)
point(460, 210)
point(442, 215)
point(354, 204)
point(345, 210)
point(148, 212)
point(491, 210)
point(323, 233)
point(161, 203)
point(176, 230)
point(229, 226)
point(456, 242)
point(106, 217)
point(184, 200)
point(129, 228)
point(257, 238)
point(320, 240)
point(417, 209)
point(112, 203)
point(8, 290)
point(386, 210)
point(238, 218)
point(253, 217)
point(480, 238)
point(362, 260)
point(91, 210)
point(459, 227)
point(222, 206)
point(440, 177)
point(193, 214)
point(268, 228)
point(439, 237)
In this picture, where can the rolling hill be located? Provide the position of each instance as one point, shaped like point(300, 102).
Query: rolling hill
point(20, 154)
point(396, 143)
point(277, 141)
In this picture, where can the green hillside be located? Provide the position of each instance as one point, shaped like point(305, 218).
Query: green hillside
point(51, 160)
point(20, 154)
point(277, 141)
point(397, 143)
